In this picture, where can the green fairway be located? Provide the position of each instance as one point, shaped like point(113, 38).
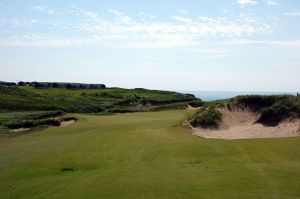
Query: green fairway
point(145, 155)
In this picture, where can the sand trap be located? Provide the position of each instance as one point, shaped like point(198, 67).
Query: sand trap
point(240, 124)
point(189, 107)
point(67, 123)
point(19, 130)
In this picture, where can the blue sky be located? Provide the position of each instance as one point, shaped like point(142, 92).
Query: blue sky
point(232, 45)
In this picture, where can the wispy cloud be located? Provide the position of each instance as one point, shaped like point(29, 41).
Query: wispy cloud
point(286, 43)
point(44, 9)
point(272, 3)
point(292, 14)
point(42, 40)
point(151, 16)
point(115, 12)
point(182, 19)
point(126, 32)
point(247, 2)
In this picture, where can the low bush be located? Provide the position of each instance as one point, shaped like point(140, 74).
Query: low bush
point(257, 102)
point(207, 117)
point(196, 103)
point(65, 119)
point(31, 123)
point(282, 109)
point(174, 106)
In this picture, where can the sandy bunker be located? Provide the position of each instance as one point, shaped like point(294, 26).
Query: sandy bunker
point(241, 124)
point(67, 123)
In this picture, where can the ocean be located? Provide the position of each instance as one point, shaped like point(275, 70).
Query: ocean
point(216, 95)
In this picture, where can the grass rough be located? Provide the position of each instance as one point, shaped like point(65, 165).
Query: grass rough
point(88, 100)
point(207, 117)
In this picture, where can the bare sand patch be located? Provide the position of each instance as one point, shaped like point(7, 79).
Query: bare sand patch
point(189, 107)
point(67, 123)
point(19, 130)
point(241, 124)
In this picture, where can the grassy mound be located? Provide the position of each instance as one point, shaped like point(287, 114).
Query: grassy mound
point(24, 107)
point(207, 117)
point(89, 100)
point(30, 119)
point(272, 109)
point(31, 123)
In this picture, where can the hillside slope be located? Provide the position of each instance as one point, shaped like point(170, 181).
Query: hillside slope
point(26, 107)
point(88, 100)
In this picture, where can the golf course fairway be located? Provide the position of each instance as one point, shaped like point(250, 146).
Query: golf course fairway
point(145, 155)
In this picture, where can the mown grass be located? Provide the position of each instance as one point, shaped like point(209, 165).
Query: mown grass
point(145, 155)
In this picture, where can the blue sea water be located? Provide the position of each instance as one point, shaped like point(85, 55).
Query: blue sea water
point(216, 95)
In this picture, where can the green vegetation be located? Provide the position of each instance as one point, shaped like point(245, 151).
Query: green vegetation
point(207, 117)
point(26, 107)
point(31, 123)
point(273, 109)
point(145, 155)
point(28, 119)
point(88, 100)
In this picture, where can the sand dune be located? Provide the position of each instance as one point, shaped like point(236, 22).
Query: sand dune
point(241, 124)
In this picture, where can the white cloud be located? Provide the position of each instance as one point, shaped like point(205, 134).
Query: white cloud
point(44, 9)
point(40, 40)
point(286, 43)
point(247, 2)
point(115, 12)
point(16, 22)
point(292, 14)
point(120, 16)
point(151, 16)
point(272, 3)
point(92, 15)
point(125, 32)
point(182, 19)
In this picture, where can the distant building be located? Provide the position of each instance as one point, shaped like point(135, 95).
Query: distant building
point(23, 83)
point(8, 84)
point(67, 85)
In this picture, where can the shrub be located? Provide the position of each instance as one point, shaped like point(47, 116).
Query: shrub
point(196, 103)
point(282, 109)
point(207, 117)
point(31, 123)
point(257, 102)
point(65, 119)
